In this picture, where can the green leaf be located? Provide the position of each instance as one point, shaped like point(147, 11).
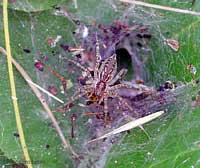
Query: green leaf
point(30, 31)
point(33, 5)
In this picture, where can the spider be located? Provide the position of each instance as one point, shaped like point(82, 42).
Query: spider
point(103, 83)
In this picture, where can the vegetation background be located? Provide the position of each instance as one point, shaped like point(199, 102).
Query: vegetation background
point(174, 138)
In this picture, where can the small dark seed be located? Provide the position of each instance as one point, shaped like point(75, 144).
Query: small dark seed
point(139, 35)
point(47, 146)
point(147, 36)
point(26, 50)
point(16, 135)
point(139, 44)
point(56, 6)
point(197, 81)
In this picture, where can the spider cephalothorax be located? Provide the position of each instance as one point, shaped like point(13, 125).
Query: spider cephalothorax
point(104, 83)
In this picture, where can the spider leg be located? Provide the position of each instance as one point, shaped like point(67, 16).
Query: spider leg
point(84, 89)
point(119, 76)
point(73, 98)
point(98, 59)
point(138, 87)
point(104, 99)
point(105, 108)
point(66, 105)
point(80, 66)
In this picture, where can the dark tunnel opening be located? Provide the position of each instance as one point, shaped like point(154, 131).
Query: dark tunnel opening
point(124, 61)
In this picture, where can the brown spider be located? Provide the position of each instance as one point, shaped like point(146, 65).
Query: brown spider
point(104, 83)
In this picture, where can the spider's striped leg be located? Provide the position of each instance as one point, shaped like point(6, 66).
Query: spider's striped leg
point(119, 76)
point(98, 59)
point(105, 110)
point(66, 105)
point(74, 97)
point(80, 66)
point(104, 99)
point(137, 87)
point(84, 90)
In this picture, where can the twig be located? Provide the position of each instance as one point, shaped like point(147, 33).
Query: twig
point(44, 104)
point(12, 86)
point(131, 125)
point(161, 7)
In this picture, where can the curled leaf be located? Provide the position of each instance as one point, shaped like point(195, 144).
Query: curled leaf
point(173, 44)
